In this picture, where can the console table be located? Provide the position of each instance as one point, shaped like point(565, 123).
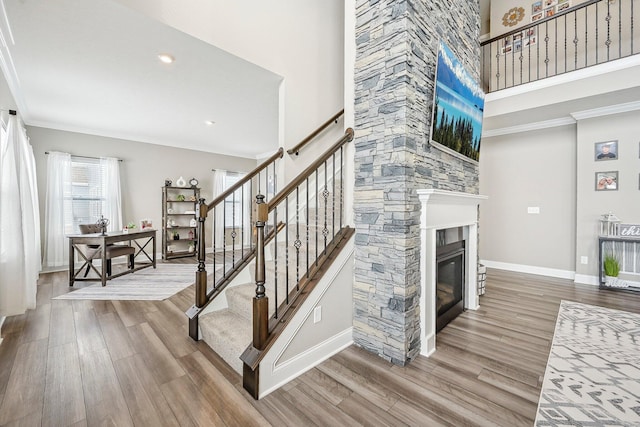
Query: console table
point(140, 240)
point(627, 250)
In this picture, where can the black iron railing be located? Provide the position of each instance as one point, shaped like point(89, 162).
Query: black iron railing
point(308, 214)
point(233, 239)
point(587, 34)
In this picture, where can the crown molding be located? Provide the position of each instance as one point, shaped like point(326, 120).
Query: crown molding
point(605, 111)
point(562, 121)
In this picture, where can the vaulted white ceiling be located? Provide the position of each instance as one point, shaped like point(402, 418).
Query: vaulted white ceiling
point(91, 66)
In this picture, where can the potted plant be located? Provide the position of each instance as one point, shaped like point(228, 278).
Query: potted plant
point(611, 266)
point(129, 226)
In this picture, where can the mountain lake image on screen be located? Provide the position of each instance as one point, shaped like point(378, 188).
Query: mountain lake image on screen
point(457, 107)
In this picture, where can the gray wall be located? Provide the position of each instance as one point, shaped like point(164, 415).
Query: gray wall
point(396, 55)
point(591, 205)
point(554, 169)
point(531, 169)
point(142, 172)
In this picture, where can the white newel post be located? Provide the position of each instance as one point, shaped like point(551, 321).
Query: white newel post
point(442, 210)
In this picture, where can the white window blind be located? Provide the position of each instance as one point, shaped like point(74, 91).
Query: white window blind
point(87, 193)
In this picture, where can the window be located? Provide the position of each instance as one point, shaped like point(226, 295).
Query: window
point(233, 203)
point(87, 196)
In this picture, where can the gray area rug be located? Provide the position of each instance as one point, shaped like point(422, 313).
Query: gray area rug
point(146, 284)
point(593, 373)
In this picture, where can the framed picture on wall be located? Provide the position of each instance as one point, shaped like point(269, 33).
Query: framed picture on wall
point(607, 181)
point(536, 7)
point(607, 150)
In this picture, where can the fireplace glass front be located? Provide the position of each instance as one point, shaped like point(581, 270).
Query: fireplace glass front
point(449, 283)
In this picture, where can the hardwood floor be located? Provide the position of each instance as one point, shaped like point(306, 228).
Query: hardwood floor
point(76, 363)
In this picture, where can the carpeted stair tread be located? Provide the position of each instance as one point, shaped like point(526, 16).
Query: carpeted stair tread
point(228, 334)
point(240, 298)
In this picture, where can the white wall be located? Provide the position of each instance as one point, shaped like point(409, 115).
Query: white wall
point(518, 171)
point(143, 170)
point(300, 40)
point(591, 204)
point(500, 7)
point(6, 98)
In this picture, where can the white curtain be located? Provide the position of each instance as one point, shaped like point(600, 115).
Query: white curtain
point(218, 228)
point(112, 206)
point(19, 222)
point(57, 208)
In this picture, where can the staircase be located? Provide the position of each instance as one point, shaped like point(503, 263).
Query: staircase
point(229, 331)
point(265, 290)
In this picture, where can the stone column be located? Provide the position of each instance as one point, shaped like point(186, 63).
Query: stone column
point(396, 55)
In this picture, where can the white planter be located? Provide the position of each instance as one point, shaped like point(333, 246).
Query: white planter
point(614, 282)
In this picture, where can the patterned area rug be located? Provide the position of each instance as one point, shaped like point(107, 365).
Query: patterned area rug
point(593, 373)
point(146, 284)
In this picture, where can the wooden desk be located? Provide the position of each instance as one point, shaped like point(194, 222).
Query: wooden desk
point(139, 239)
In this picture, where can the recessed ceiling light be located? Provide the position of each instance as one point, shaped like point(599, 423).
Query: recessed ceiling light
point(209, 122)
point(166, 58)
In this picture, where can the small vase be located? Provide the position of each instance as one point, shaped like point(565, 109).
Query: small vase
point(181, 182)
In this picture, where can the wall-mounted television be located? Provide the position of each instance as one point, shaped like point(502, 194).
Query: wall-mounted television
point(458, 104)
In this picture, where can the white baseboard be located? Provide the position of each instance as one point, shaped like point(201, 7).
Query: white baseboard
point(585, 279)
point(530, 269)
point(310, 358)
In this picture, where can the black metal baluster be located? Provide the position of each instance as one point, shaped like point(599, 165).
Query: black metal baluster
point(620, 29)
point(529, 56)
point(586, 35)
point(538, 53)
point(325, 196)
point(513, 62)
point(565, 44)
point(333, 197)
point(214, 246)
point(597, 27)
point(317, 209)
point(251, 221)
point(297, 244)
point(575, 40)
point(555, 44)
point(307, 227)
point(224, 238)
point(275, 180)
point(498, 70)
point(632, 51)
point(233, 229)
point(286, 246)
point(608, 19)
point(341, 185)
point(275, 260)
point(546, 48)
point(242, 209)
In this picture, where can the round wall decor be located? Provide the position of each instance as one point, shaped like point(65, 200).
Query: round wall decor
point(513, 16)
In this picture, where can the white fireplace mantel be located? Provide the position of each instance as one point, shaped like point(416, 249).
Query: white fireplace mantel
point(443, 209)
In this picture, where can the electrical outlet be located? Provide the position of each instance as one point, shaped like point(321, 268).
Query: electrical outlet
point(533, 209)
point(317, 314)
point(584, 260)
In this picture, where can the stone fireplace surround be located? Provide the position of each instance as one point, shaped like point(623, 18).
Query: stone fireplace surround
point(441, 210)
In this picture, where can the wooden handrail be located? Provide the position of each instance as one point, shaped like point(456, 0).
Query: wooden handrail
point(273, 203)
point(295, 150)
point(246, 178)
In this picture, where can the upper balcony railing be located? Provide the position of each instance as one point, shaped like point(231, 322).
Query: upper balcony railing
point(587, 34)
